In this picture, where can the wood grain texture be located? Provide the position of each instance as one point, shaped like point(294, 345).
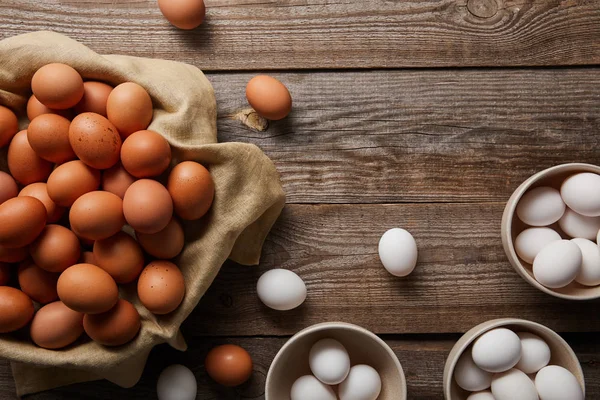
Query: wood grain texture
point(317, 34)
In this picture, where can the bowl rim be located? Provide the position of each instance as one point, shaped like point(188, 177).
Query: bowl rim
point(506, 226)
point(343, 326)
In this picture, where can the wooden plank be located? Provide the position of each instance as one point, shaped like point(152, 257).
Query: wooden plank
point(294, 34)
point(421, 136)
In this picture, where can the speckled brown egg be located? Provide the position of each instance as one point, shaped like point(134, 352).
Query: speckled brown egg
point(192, 189)
point(95, 96)
point(145, 154)
point(87, 257)
point(70, 181)
point(117, 180)
point(35, 109)
point(57, 86)
point(229, 365)
point(15, 255)
point(147, 206)
point(115, 327)
point(129, 108)
point(8, 187)
point(55, 249)
point(184, 14)
point(39, 190)
point(16, 309)
point(161, 287)
point(269, 97)
point(164, 244)
point(55, 326)
point(121, 256)
point(9, 125)
point(24, 164)
point(22, 220)
point(97, 215)
point(4, 273)
point(48, 136)
point(37, 283)
point(87, 288)
point(95, 140)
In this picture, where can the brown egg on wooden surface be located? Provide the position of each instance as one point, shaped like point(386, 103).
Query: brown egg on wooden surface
point(55, 326)
point(48, 136)
point(70, 181)
point(87, 288)
point(8, 187)
point(16, 309)
point(269, 97)
point(121, 256)
point(55, 249)
point(114, 327)
point(117, 180)
point(129, 108)
point(37, 283)
point(87, 257)
point(95, 140)
point(164, 244)
point(9, 125)
point(57, 86)
point(97, 215)
point(4, 273)
point(95, 96)
point(145, 154)
point(14, 255)
point(22, 219)
point(184, 14)
point(161, 287)
point(228, 365)
point(192, 189)
point(24, 164)
point(39, 190)
point(147, 206)
point(35, 109)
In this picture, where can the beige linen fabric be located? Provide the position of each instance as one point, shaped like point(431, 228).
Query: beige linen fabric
point(248, 200)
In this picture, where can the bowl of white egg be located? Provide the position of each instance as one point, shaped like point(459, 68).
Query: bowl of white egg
point(550, 231)
point(335, 361)
point(512, 359)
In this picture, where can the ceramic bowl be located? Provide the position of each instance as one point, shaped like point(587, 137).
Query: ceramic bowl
point(512, 226)
point(562, 354)
point(364, 347)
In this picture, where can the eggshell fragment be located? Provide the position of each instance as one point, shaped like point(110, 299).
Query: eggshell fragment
point(164, 244)
point(398, 252)
point(24, 164)
point(145, 154)
point(579, 226)
point(557, 264)
point(161, 287)
point(228, 365)
point(16, 309)
point(589, 274)
point(35, 109)
point(119, 255)
point(329, 361)
point(70, 181)
point(308, 387)
point(87, 288)
point(497, 350)
point(192, 189)
point(557, 383)
point(97, 215)
point(95, 97)
point(469, 376)
point(129, 108)
point(541, 206)
point(269, 97)
point(13, 255)
point(57, 86)
point(281, 289)
point(184, 14)
point(55, 249)
point(23, 219)
point(513, 385)
point(8, 187)
point(55, 326)
point(114, 327)
point(535, 353)
point(363, 383)
point(4, 273)
point(581, 193)
point(38, 284)
point(532, 240)
point(95, 140)
point(48, 136)
point(9, 125)
point(147, 206)
point(117, 180)
point(176, 382)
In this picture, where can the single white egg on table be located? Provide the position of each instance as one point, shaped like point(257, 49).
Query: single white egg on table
point(329, 361)
point(486, 395)
point(513, 385)
point(176, 382)
point(398, 252)
point(541, 206)
point(529, 242)
point(581, 192)
point(281, 289)
point(589, 274)
point(557, 383)
point(308, 387)
point(557, 264)
point(363, 383)
point(497, 350)
point(469, 376)
point(535, 353)
point(579, 226)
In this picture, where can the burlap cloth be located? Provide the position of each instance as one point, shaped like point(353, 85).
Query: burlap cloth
point(248, 200)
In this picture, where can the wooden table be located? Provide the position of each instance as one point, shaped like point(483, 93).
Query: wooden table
point(418, 114)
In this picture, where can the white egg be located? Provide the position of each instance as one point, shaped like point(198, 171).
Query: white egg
point(581, 192)
point(589, 274)
point(329, 361)
point(579, 226)
point(497, 350)
point(513, 385)
point(535, 353)
point(308, 387)
point(469, 376)
point(281, 289)
point(557, 264)
point(398, 252)
point(487, 395)
point(540, 206)
point(557, 383)
point(176, 382)
point(529, 242)
point(362, 383)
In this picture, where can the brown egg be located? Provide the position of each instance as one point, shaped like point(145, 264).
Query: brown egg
point(87, 257)
point(121, 256)
point(4, 273)
point(9, 125)
point(70, 181)
point(38, 284)
point(39, 190)
point(228, 365)
point(129, 107)
point(161, 287)
point(116, 180)
point(184, 14)
point(8, 255)
point(86, 243)
point(56, 249)
point(147, 206)
point(115, 327)
point(192, 189)
point(16, 309)
point(57, 86)
point(48, 136)
point(95, 96)
point(95, 140)
point(87, 288)
point(35, 109)
point(97, 215)
point(55, 326)
point(24, 164)
point(164, 244)
point(8, 187)
point(269, 97)
point(145, 154)
point(22, 220)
